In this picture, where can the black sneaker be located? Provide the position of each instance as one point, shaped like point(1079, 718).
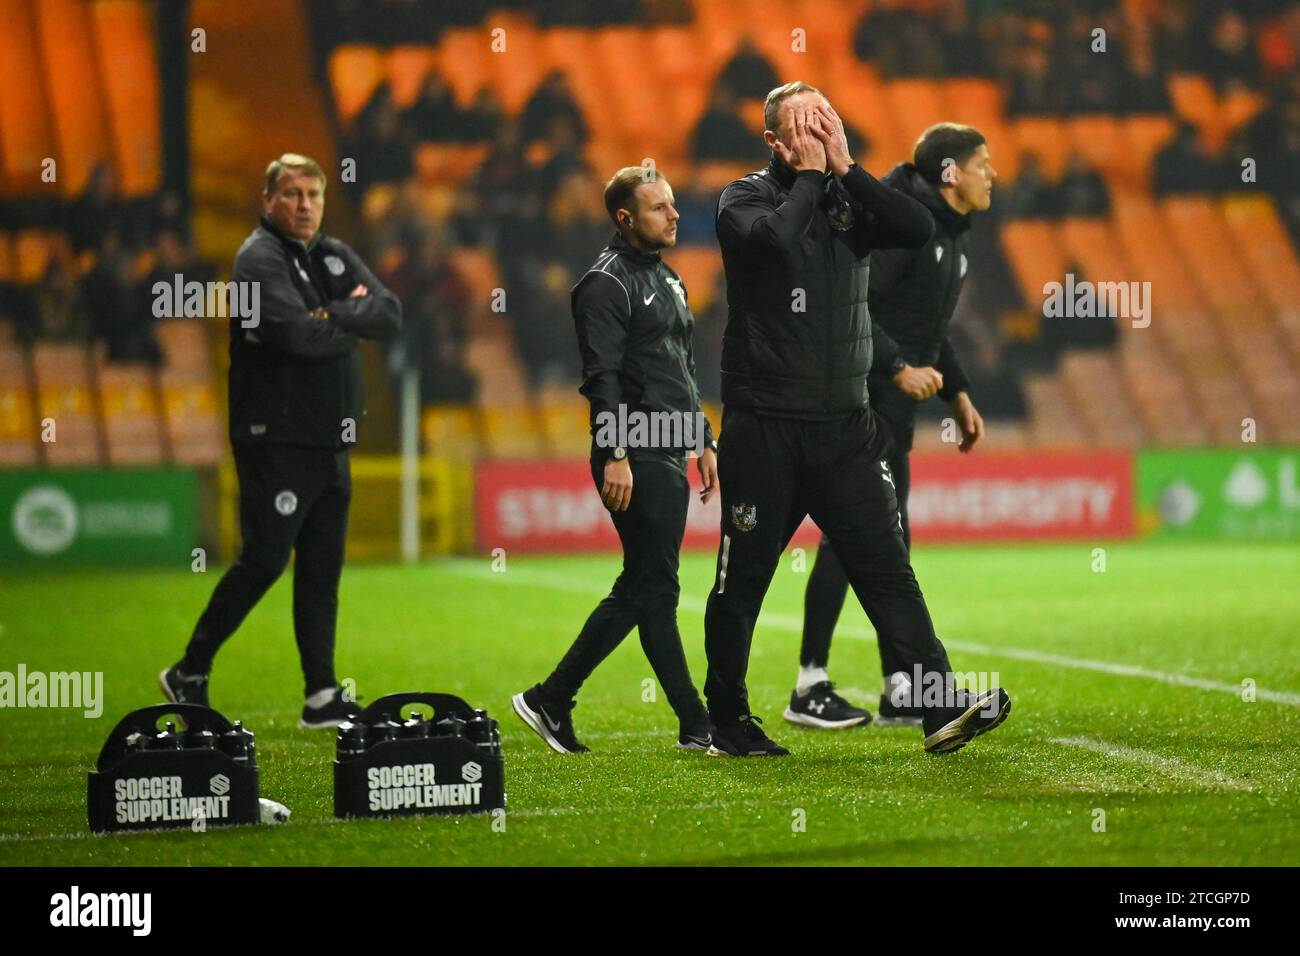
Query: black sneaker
point(552, 723)
point(744, 738)
point(822, 707)
point(186, 689)
point(948, 729)
point(893, 715)
point(330, 714)
point(698, 736)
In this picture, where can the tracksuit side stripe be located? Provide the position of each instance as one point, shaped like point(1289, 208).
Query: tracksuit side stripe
point(722, 568)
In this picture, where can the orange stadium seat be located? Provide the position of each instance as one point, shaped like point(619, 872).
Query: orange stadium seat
point(1090, 241)
point(448, 163)
point(451, 431)
point(830, 26)
point(129, 77)
point(1191, 219)
point(1160, 392)
point(1047, 137)
point(492, 358)
point(195, 431)
point(1053, 420)
point(8, 257)
point(477, 266)
point(470, 49)
point(1264, 245)
point(1094, 381)
point(700, 267)
point(355, 71)
point(714, 176)
point(1100, 141)
point(512, 431)
point(1144, 137)
point(1192, 97)
point(515, 72)
point(565, 417)
point(561, 48)
point(674, 56)
point(26, 136)
point(917, 104)
point(1035, 256)
point(1239, 107)
point(978, 102)
point(19, 423)
point(405, 68)
point(80, 119)
point(1180, 313)
point(859, 98)
point(65, 394)
point(128, 395)
point(185, 345)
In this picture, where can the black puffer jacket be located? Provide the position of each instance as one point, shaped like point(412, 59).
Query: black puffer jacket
point(295, 377)
point(914, 291)
point(795, 245)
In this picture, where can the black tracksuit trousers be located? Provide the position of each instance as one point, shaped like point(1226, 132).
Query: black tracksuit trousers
point(290, 498)
point(645, 594)
point(828, 583)
point(774, 472)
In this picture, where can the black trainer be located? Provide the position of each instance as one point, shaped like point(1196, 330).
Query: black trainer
point(948, 729)
point(330, 714)
point(893, 715)
point(744, 738)
point(698, 736)
point(551, 722)
point(184, 688)
point(822, 707)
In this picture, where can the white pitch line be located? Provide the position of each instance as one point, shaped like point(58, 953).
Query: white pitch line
point(1169, 766)
point(786, 622)
point(335, 821)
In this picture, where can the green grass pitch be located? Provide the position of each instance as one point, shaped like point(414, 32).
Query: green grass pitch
point(1127, 689)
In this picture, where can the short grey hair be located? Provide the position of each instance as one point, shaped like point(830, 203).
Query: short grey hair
point(292, 162)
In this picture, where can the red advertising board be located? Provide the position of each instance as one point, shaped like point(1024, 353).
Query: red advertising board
point(526, 506)
point(540, 506)
point(1016, 496)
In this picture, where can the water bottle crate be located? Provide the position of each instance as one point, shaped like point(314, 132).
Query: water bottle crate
point(149, 779)
point(448, 763)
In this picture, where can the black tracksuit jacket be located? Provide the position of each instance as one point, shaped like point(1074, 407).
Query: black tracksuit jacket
point(635, 335)
point(913, 292)
point(296, 378)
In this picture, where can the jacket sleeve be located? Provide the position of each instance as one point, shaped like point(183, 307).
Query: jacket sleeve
point(377, 315)
point(602, 315)
point(954, 379)
point(883, 350)
point(887, 267)
point(748, 220)
point(893, 218)
point(285, 324)
point(690, 362)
